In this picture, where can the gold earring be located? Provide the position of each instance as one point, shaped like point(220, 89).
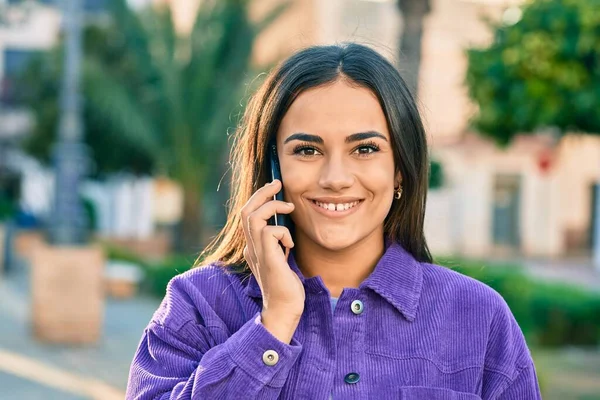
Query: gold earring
point(398, 193)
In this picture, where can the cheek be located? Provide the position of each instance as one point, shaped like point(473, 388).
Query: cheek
point(378, 179)
point(296, 181)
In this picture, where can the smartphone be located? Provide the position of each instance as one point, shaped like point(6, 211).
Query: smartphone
point(277, 219)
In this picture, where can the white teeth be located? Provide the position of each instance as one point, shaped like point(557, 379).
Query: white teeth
point(336, 207)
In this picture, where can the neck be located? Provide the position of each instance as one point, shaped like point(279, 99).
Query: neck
point(339, 268)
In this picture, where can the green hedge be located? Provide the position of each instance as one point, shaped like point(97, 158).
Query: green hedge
point(7, 208)
point(436, 175)
point(157, 274)
point(551, 314)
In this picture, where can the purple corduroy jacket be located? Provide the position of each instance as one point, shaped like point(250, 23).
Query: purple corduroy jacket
point(412, 330)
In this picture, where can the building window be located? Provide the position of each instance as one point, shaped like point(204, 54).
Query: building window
point(95, 5)
point(15, 62)
point(88, 5)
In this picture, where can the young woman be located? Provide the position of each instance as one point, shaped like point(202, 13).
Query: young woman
point(353, 308)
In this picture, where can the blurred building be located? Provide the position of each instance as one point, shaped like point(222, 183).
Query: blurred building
point(26, 28)
point(534, 198)
point(123, 205)
point(24, 31)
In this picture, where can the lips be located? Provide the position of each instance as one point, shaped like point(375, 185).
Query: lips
point(336, 209)
point(336, 206)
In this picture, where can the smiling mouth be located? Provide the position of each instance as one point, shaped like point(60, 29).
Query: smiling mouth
point(336, 207)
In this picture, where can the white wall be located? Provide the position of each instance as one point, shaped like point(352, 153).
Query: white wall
point(40, 30)
point(579, 169)
point(541, 224)
point(124, 206)
point(466, 217)
point(440, 220)
point(374, 23)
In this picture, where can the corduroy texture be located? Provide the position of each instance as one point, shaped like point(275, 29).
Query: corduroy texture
point(426, 332)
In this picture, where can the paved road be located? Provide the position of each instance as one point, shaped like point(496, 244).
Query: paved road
point(14, 387)
point(26, 364)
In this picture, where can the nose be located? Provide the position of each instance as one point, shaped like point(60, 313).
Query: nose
point(335, 175)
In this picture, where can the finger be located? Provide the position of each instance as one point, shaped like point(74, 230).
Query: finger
point(258, 219)
point(253, 224)
point(255, 201)
point(272, 235)
point(260, 197)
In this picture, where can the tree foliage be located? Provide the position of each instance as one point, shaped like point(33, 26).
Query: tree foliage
point(540, 72)
point(39, 89)
point(167, 97)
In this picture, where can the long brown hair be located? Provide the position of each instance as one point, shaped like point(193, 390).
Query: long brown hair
point(312, 67)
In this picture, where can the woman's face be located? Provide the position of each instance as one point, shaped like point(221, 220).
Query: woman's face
point(337, 165)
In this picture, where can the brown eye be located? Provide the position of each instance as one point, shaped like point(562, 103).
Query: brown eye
point(367, 149)
point(306, 151)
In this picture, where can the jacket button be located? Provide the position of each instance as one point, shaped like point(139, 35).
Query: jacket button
point(357, 307)
point(270, 357)
point(352, 377)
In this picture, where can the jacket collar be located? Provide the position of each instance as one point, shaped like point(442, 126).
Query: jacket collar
point(397, 278)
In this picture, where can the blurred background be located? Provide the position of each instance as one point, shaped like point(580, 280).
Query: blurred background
point(116, 118)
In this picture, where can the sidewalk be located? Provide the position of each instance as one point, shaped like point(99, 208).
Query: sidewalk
point(32, 370)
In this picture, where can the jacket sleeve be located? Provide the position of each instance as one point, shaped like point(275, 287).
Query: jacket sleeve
point(509, 368)
point(187, 356)
point(524, 387)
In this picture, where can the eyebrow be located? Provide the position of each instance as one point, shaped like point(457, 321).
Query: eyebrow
point(355, 137)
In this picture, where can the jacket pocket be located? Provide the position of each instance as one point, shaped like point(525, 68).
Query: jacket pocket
point(426, 393)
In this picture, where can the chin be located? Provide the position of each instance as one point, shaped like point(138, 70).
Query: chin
point(335, 241)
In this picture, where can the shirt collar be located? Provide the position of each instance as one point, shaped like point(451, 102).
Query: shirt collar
point(397, 277)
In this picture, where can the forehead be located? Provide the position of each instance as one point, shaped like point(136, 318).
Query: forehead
point(336, 109)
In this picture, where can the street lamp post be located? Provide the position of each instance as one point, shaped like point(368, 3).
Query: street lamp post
point(68, 225)
point(68, 273)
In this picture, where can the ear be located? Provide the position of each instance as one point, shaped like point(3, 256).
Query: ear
point(398, 180)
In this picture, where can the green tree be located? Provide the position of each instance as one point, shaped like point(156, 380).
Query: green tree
point(540, 72)
point(171, 98)
point(38, 87)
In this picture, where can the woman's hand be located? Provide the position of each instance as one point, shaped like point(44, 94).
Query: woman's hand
point(282, 291)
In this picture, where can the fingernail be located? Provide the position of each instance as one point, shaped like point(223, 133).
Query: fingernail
point(290, 204)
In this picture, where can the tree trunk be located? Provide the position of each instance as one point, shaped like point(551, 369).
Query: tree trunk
point(190, 232)
point(413, 13)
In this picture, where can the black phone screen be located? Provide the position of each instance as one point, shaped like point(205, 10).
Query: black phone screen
point(277, 219)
